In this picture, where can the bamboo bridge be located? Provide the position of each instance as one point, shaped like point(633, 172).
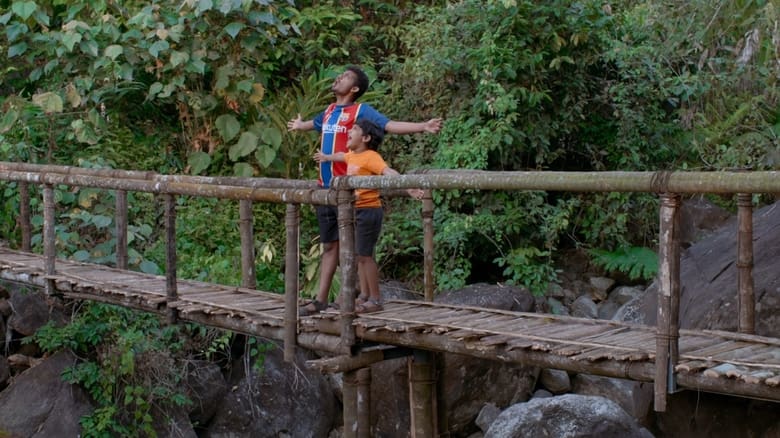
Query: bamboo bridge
point(736, 363)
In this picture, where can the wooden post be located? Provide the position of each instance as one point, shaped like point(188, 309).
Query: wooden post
point(291, 269)
point(24, 215)
point(245, 227)
point(667, 329)
point(364, 402)
point(121, 228)
point(427, 218)
point(171, 291)
point(346, 219)
point(49, 237)
point(349, 395)
point(422, 395)
point(746, 301)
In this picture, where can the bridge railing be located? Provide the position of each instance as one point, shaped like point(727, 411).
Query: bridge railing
point(668, 185)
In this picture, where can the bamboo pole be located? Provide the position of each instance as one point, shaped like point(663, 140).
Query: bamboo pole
point(24, 216)
point(346, 220)
point(428, 261)
point(364, 402)
point(667, 332)
point(746, 302)
point(245, 227)
point(49, 237)
point(345, 362)
point(422, 395)
point(291, 270)
point(121, 229)
point(350, 399)
point(171, 291)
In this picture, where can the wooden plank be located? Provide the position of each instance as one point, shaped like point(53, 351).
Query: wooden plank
point(690, 366)
point(719, 371)
point(757, 376)
point(715, 349)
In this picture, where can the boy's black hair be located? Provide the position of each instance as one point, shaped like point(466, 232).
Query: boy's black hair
point(371, 129)
point(362, 80)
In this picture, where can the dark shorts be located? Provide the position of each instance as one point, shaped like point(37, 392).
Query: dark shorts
point(327, 217)
point(368, 224)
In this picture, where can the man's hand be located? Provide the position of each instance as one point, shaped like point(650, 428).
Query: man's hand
point(295, 124)
point(432, 126)
point(416, 193)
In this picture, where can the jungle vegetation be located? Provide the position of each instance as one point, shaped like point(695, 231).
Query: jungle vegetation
point(205, 87)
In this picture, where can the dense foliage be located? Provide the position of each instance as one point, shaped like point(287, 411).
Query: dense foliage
point(207, 86)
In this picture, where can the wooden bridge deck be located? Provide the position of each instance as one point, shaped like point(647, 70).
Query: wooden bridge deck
point(745, 365)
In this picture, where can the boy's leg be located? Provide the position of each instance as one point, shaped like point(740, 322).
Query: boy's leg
point(368, 224)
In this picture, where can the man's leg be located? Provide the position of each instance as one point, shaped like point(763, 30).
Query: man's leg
point(328, 264)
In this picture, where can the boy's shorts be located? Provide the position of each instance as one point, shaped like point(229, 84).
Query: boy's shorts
point(368, 225)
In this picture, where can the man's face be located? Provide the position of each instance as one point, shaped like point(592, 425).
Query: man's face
point(344, 83)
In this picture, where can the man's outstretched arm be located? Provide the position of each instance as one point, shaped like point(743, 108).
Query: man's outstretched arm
point(298, 124)
point(432, 126)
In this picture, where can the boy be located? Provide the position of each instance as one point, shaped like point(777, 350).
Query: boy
point(363, 159)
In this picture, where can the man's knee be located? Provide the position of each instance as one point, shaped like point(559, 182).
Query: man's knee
point(330, 247)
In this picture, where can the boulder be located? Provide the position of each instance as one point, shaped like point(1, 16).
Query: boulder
point(31, 311)
point(555, 381)
point(566, 416)
point(281, 399)
point(492, 296)
point(39, 404)
point(708, 276)
point(584, 307)
point(205, 386)
point(636, 398)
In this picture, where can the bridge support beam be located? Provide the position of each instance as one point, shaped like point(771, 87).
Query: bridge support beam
point(171, 289)
point(422, 394)
point(427, 220)
point(25, 222)
point(49, 237)
point(667, 329)
point(291, 269)
point(357, 403)
point(120, 217)
point(245, 228)
point(746, 303)
point(346, 220)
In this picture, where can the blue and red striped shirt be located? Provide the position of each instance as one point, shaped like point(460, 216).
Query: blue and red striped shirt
point(334, 124)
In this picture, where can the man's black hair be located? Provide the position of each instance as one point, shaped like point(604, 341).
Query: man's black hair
point(362, 80)
point(370, 128)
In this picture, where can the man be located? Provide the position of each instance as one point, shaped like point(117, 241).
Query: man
point(334, 125)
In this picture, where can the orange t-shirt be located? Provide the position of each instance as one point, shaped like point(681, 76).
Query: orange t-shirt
point(365, 163)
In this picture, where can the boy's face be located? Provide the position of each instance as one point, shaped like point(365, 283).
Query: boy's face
point(356, 141)
point(344, 83)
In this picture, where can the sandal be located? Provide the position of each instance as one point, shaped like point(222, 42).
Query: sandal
point(361, 299)
point(371, 305)
point(312, 308)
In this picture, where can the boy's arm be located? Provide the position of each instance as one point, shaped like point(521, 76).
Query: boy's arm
point(298, 124)
point(414, 193)
point(320, 157)
point(431, 126)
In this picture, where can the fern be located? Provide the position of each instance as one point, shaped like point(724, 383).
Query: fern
point(637, 262)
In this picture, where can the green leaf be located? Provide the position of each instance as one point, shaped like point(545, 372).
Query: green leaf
point(198, 162)
point(155, 88)
point(234, 28)
point(10, 117)
point(243, 170)
point(70, 39)
point(113, 51)
point(272, 136)
point(265, 155)
point(149, 267)
point(49, 102)
point(101, 221)
point(13, 31)
point(178, 58)
point(203, 6)
point(228, 126)
point(24, 9)
point(17, 49)
point(157, 47)
point(245, 146)
point(81, 256)
point(5, 18)
point(89, 47)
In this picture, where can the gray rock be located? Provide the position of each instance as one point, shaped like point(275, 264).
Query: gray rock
point(636, 398)
point(607, 309)
point(698, 218)
point(205, 386)
point(556, 307)
point(542, 393)
point(39, 404)
point(584, 307)
point(5, 372)
point(487, 415)
point(31, 311)
point(600, 287)
point(555, 381)
point(630, 312)
point(492, 296)
point(623, 294)
point(566, 416)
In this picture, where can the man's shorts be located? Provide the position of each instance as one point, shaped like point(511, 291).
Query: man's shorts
point(368, 225)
